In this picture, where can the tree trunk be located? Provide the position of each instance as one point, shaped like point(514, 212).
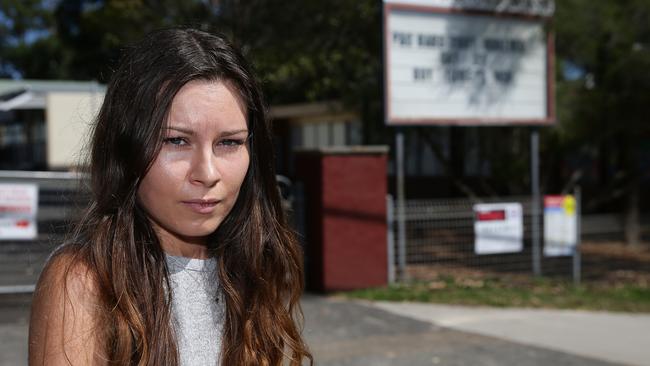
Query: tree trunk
point(632, 225)
point(631, 163)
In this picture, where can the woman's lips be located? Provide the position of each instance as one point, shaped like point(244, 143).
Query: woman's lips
point(201, 206)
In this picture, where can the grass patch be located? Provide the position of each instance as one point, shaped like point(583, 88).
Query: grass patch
point(506, 292)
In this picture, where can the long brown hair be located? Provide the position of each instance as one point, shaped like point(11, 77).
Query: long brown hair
point(260, 262)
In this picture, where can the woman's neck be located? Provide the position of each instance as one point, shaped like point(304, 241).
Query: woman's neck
point(185, 250)
point(189, 247)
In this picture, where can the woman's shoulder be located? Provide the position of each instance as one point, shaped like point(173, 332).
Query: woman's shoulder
point(66, 281)
point(66, 268)
point(64, 308)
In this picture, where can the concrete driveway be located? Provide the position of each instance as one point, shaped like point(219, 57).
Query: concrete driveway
point(616, 337)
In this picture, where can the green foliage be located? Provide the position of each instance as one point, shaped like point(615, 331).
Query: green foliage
point(610, 40)
point(603, 113)
point(82, 39)
point(21, 16)
point(19, 19)
point(304, 51)
point(313, 51)
point(501, 292)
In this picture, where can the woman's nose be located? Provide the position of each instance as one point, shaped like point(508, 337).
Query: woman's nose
point(205, 169)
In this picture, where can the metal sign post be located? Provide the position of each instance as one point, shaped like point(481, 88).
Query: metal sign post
point(534, 172)
point(576, 248)
point(401, 214)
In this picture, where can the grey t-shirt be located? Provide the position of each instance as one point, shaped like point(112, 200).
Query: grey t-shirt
point(198, 309)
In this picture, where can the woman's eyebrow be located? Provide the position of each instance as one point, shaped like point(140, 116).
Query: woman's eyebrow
point(233, 132)
point(181, 129)
point(222, 134)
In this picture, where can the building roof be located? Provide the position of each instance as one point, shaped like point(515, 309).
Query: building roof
point(305, 109)
point(327, 111)
point(30, 94)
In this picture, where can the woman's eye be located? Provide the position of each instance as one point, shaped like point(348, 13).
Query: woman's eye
point(177, 141)
point(231, 142)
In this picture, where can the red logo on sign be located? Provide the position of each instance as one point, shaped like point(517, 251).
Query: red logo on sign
point(491, 215)
point(553, 201)
point(22, 223)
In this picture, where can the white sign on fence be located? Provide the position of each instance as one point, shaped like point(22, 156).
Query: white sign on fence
point(498, 228)
point(18, 209)
point(462, 68)
point(560, 225)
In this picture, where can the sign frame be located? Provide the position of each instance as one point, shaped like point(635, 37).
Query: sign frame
point(550, 118)
point(509, 227)
point(18, 214)
point(560, 214)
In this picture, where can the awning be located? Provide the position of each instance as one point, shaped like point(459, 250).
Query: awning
point(21, 99)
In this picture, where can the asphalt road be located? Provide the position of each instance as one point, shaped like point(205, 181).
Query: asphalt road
point(347, 333)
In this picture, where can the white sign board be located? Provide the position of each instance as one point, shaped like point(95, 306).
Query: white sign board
point(560, 225)
point(528, 7)
point(498, 228)
point(18, 208)
point(447, 67)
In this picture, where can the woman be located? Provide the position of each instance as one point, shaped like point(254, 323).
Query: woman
point(184, 255)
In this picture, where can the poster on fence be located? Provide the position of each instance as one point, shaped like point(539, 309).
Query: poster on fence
point(560, 225)
point(498, 228)
point(18, 208)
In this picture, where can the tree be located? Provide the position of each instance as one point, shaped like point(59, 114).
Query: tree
point(313, 51)
point(21, 23)
point(316, 50)
point(82, 39)
point(609, 41)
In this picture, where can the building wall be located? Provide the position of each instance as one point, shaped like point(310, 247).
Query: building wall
point(345, 216)
point(69, 116)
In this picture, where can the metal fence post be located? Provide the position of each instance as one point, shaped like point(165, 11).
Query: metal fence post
point(576, 249)
point(390, 238)
point(534, 167)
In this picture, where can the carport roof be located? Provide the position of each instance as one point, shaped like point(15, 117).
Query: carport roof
point(30, 94)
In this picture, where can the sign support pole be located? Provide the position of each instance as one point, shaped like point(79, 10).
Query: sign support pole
point(536, 230)
point(390, 236)
point(401, 215)
point(576, 249)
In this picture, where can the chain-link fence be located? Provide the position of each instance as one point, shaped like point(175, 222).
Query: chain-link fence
point(59, 201)
point(440, 237)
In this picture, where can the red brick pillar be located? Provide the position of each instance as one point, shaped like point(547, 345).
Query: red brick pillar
point(345, 223)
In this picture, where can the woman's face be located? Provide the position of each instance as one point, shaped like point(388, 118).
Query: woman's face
point(195, 179)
